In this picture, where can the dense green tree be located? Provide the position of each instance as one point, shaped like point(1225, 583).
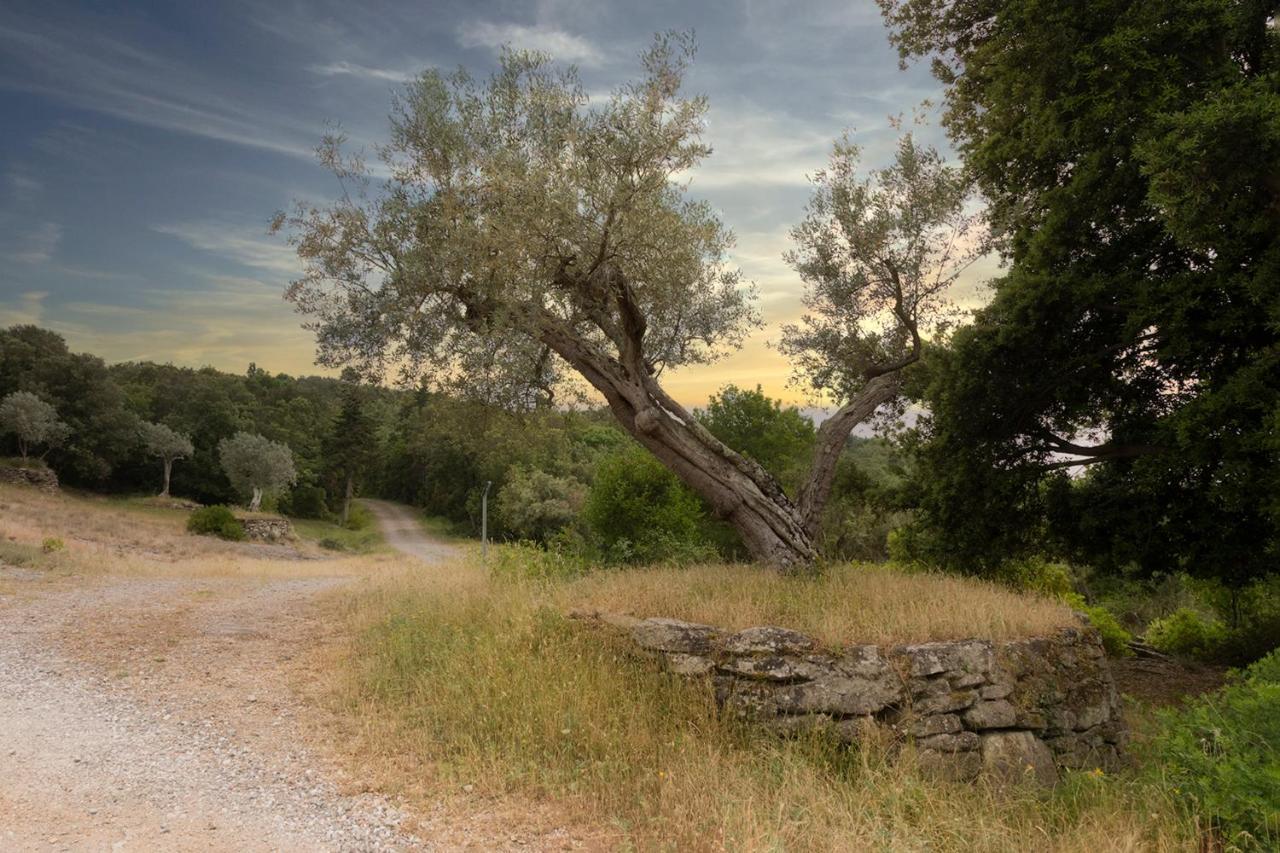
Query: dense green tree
point(780, 439)
point(639, 511)
point(1130, 156)
point(351, 448)
point(103, 432)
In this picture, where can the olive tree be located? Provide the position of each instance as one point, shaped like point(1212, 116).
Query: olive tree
point(527, 238)
point(167, 445)
point(256, 466)
point(32, 421)
point(878, 255)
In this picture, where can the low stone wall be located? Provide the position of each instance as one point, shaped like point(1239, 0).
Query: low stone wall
point(267, 529)
point(40, 478)
point(1012, 709)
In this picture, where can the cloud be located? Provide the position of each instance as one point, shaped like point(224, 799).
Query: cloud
point(355, 69)
point(238, 243)
point(561, 45)
point(27, 309)
point(96, 72)
point(23, 186)
point(35, 245)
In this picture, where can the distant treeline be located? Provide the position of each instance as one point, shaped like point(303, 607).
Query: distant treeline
point(566, 476)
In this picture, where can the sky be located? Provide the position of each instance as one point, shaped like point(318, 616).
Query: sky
point(145, 147)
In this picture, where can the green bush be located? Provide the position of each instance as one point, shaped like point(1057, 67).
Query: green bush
point(52, 544)
point(215, 521)
point(1114, 636)
point(1222, 756)
point(1188, 634)
point(305, 502)
point(641, 513)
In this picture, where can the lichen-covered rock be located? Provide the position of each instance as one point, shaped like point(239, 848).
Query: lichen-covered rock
point(949, 766)
point(768, 640)
point(993, 714)
point(672, 635)
point(1017, 757)
point(836, 694)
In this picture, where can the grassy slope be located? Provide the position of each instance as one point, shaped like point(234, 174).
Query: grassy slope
point(460, 678)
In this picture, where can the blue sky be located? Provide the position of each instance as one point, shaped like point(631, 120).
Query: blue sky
point(145, 146)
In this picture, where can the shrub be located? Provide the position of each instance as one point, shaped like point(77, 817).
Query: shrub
point(641, 513)
point(51, 544)
point(215, 521)
point(536, 505)
point(1222, 755)
point(1185, 632)
point(1114, 637)
point(331, 544)
point(306, 502)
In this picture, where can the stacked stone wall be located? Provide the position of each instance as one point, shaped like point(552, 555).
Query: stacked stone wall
point(1008, 709)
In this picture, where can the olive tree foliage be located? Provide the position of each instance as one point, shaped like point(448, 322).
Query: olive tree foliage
point(528, 240)
point(878, 255)
point(256, 466)
point(166, 444)
point(32, 421)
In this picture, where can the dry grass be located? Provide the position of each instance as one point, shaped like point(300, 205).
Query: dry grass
point(455, 679)
point(861, 603)
point(113, 536)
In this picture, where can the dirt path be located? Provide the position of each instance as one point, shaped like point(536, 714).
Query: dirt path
point(403, 532)
point(178, 713)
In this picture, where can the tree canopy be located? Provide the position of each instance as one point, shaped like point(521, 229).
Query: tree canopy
point(1129, 154)
point(31, 421)
point(528, 240)
point(257, 466)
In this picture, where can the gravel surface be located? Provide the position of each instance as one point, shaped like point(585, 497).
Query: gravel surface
point(132, 761)
point(179, 713)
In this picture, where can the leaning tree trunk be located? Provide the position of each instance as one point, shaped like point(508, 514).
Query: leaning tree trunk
point(168, 466)
point(775, 530)
point(737, 488)
point(256, 501)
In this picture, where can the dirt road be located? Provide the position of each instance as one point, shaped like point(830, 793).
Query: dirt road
point(403, 532)
point(172, 713)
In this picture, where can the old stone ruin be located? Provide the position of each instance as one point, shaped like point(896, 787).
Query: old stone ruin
point(1012, 710)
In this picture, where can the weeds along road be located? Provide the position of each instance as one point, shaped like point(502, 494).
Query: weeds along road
point(174, 699)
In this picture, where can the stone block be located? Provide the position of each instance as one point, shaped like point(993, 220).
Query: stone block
point(673, 635)
point(1017, 757)
point(767, 640)
point(991, 714)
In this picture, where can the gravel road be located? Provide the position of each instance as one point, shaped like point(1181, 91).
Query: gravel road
point(171, 713)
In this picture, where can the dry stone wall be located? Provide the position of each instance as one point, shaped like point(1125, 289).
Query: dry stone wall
point(267, 529)
point(41, 478)
point(1015, 709)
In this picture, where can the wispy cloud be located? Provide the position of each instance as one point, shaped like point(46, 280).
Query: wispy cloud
point(96, 72)
point(355, 69)
point(564, 46)
point(34, 245)
point(237, 243)
point(23, 186)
